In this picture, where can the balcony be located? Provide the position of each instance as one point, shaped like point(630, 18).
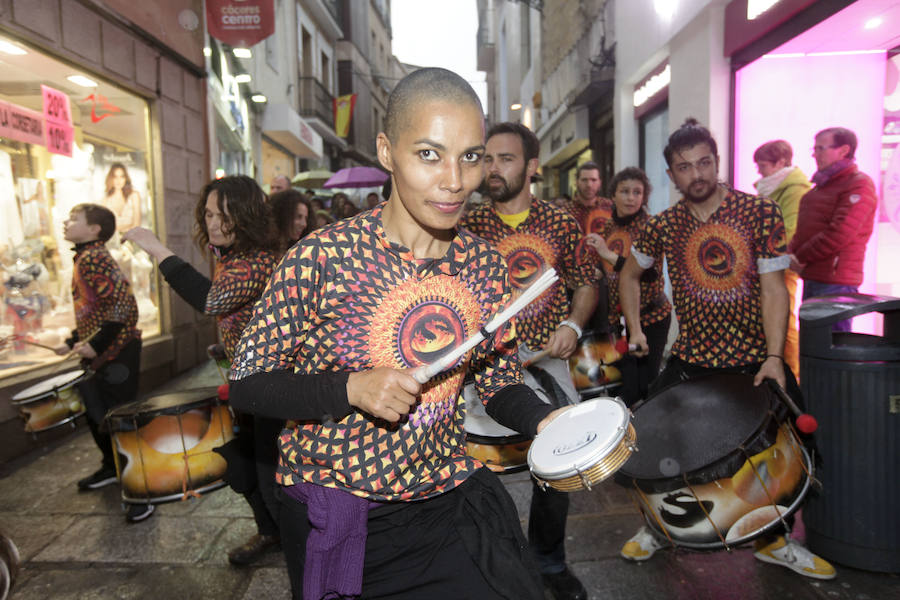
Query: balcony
point(316, 101)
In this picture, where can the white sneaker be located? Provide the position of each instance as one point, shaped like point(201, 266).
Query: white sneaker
point(788, 553)
point(642, 546)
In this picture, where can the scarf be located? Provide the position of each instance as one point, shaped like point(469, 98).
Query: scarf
point(769, 184)
point(823, 175)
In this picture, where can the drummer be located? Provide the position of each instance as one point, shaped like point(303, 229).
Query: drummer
point(106, 336)
point(232, 222)
point(725, 254)
point(533, 236)
point(631, 190)
point(373, 458)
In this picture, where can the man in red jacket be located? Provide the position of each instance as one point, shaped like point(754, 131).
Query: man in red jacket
point(835, 220)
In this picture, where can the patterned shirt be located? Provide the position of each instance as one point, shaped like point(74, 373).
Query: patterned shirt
point(619, 235)
point(238, 281)
point(715, 268)
point(101, 293)
point(347, 299)
point(590, 220)
point(546, 238)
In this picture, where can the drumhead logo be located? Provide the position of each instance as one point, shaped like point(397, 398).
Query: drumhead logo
point(428, 331)
point(575, 445)
point(524, 267)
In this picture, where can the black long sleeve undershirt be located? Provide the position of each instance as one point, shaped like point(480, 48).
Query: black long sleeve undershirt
point(287, 395)
point(187, 281)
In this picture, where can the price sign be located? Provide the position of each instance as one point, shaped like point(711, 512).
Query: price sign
point(58, 117)
point(20, 124)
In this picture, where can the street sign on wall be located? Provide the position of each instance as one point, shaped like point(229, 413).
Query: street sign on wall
point(240, 23)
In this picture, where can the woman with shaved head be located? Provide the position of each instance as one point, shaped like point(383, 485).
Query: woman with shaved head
point(379, 497)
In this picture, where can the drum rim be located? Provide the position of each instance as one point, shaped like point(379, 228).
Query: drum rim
point(68, 419)
point(794, 506)
point(212, 399)
point(18, 399)
point(585, 462)
point(487, 440)
point(214, 485)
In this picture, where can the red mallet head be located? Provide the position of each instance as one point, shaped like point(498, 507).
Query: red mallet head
point(622, 345)
point(223, 392)
point(807, 423)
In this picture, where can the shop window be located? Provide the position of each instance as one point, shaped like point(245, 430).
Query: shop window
point(108, 164)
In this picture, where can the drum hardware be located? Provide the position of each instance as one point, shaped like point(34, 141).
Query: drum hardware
point(805, 422)
point(541, 284)
point(51, 403)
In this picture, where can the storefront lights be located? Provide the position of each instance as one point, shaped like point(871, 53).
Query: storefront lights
point(757, 7)
point(665, 8)
point(515, 106)
point(873, 23)
point(8, 48)
point(653, 86)
point(259, 98)
point(82, 81)
point(242, 78)
point(207, 51)
point(242, 52)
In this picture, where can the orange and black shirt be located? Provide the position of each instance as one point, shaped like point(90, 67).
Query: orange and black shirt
point(714, 267)
point(591, 219)
point(619, 234)
point(547, 238)
point(347, 299)
point(102, 295)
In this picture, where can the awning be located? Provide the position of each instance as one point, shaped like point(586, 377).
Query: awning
point(283, 125)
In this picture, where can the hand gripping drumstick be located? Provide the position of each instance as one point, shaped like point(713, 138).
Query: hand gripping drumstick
point(805, 422)
point(621, 346)
point(426, 372)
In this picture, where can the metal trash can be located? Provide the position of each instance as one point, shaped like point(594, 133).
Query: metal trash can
point(851, 383)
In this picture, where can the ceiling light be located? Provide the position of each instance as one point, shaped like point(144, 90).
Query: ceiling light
point(82, 81)
point(207, 51)
point(755, 8)
point(873, 23)
point(259, 98)
point(9, 48)
point(515, 106)
point(242, 78)
point(242, 52)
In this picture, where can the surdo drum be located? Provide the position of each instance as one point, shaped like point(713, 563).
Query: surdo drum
point(583, 445)
point(52, 402)
point(719, 463)
point(591, 365)
point(164, 445)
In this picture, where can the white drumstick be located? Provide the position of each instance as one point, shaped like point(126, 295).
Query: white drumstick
point(426, 372)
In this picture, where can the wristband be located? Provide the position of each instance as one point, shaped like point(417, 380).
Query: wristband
point(779, 357)
point(571, 325)
point(620, 262)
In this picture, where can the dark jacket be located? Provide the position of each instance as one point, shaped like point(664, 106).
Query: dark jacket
point(833, 227)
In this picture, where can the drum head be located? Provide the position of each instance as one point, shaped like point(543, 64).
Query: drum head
point(48, 386)
point(577, 438)
point(695, 423)
point(166, 404)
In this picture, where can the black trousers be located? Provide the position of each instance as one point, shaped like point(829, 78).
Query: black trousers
point(252, 458)
point(638, 373)
point(466, 543)
point(113, 384)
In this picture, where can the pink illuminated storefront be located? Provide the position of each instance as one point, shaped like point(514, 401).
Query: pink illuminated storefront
point(801, 70)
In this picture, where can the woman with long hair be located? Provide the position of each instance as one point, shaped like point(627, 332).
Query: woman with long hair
point(122, 198)
point(233, 222)
point(292, 214)
point(630, 190)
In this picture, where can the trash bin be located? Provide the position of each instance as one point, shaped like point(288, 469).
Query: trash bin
point(851, 384)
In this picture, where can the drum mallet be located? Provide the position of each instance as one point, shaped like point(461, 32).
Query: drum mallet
point(425, 372)
point(806, 423)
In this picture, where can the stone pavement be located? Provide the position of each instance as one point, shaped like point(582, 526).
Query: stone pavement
point(78, 546)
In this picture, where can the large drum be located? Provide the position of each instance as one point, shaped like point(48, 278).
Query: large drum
point(719, 465)
point(501, 449)
point(591, 365)
point(52, 402)
point(164, 444)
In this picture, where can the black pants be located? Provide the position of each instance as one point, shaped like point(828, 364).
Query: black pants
point(113, 384)
point(252, 459)
point(466, 543)
point(547, 528)
point(638, 373)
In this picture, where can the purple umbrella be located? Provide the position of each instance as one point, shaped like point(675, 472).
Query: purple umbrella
point(353, 177)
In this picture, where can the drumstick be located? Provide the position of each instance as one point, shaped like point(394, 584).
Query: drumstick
point(73, 352)
point(39, 345)
point(426, 372)
point(805, 422)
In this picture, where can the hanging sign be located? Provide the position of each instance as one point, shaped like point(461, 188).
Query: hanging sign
point(21, 124)
point(58, 121)
point(240, 23)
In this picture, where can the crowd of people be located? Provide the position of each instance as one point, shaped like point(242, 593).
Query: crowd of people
point(356, 468)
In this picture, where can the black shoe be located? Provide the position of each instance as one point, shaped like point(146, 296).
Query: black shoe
point(253, 549)
point(105, 476)
point(138, 512)
point(564, 585)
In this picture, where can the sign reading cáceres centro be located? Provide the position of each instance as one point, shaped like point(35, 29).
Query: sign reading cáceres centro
point(240, 23)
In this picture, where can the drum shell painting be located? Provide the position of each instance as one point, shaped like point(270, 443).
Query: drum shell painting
point(741, 506)
point(45, 409)
point(170, 455)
